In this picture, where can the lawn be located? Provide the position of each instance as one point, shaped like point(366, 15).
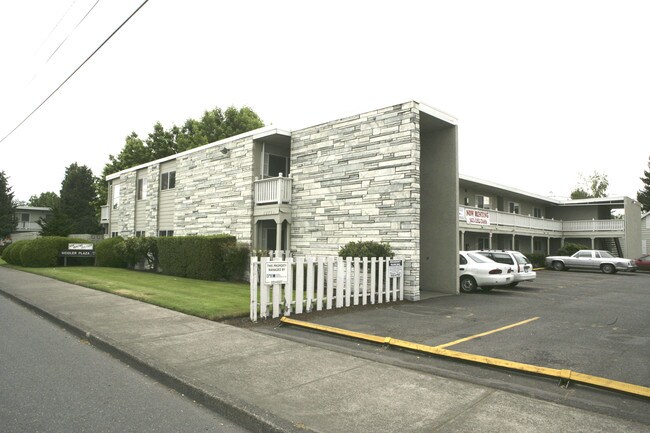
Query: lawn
point(208, 299)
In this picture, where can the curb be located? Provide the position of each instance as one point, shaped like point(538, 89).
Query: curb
point(244, 414)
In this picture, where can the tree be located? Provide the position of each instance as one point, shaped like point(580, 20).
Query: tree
point(643, 195)
point(8, 221)
point(45, 199)
point(75, 212)
point(593, 187)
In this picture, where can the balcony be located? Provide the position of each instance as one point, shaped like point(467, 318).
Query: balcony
point(105, 215)
point(26, 226)
point(274, 190)
point(488, 218)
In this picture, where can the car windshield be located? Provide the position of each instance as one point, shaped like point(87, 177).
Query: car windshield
point(479, 258)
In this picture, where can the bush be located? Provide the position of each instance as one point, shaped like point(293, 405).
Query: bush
point(5, 253)
point(109, 253)
point(537, 259)
point(13, 253)
point(202, 257)
point(570, 249)
point(44, 252)
point(366, 249)
point(135, 250)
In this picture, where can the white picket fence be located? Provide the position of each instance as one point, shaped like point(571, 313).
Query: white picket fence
point(303, 284)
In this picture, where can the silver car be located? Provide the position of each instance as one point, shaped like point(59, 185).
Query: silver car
point(591, 259)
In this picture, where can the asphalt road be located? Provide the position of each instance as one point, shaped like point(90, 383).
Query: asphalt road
point(587, 322)
point(50, 381)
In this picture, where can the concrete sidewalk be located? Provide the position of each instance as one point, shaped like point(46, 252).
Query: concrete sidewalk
point(270, 384)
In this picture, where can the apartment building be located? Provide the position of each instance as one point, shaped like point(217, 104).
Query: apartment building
point(386, 175)
point(27, 218)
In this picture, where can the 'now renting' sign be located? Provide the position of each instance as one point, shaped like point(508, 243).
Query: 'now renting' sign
point(477, 216)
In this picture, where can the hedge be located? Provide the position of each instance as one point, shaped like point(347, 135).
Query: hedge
point(109, 253)
point(202, 257)
point(13, 253)
point(366, 249)
point(44, 252)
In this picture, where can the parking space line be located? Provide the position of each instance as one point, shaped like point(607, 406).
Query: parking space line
point(453, 343)
point(563, 375)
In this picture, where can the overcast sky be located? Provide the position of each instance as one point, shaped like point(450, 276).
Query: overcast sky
point(543, 91)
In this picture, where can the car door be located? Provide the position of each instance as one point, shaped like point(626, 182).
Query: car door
point(583, 259)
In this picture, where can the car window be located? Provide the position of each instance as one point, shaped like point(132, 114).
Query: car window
point(583, 254)
point(479, 258)
point(606, 255)
point(502, 258)
point(462, 260)
point(521, 259)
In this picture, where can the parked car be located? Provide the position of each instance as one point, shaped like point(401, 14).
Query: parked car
point(521, 266)
point(643, 262)
point(479, 271)
point(591, 259)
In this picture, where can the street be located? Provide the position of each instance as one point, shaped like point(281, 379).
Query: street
point(54, 382)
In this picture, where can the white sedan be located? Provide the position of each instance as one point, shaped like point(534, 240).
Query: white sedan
point(479, 271)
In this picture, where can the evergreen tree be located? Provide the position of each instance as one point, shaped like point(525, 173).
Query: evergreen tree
point(8, 221)
point(45, 199)
point(643, 195)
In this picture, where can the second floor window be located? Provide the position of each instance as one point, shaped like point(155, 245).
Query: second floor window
point(168, 180)
point(116, 196)
point(513, 207)
point(537, 212)
point(483, 202)
point(142, 189)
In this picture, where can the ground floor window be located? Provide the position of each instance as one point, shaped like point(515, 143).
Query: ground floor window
point(139, 233)
point(537, 245)
point(114, 234)
point(165, 233)
point(483, 243)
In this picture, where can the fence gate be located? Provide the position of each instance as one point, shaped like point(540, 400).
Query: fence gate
point(281, 286)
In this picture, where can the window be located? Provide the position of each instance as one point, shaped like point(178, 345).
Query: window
point(462, 260)
point(142, 189)
point(483, 202)
point(24, 217)
point(584, 254)
point(537, 212)
point(513, 207)
point(275, 164)
point(537, 245)
point(483, 243)
point(166, 233)
point(116, 196)
point(168, 180)
point(114, 234)
point(139, 233)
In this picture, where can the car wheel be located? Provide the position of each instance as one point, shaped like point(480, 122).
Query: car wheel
point(467, 284)
point(514, 284)
point(608, 268)
point(558, 266)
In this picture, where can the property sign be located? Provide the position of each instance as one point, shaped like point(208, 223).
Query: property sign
point(395, 268)
point(477, 216)
point(77, 253)
point(276, 273)
point(85, 247)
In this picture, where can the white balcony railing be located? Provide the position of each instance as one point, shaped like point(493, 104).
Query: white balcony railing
point(105, 214)
point(499, 218)
point(273, 190)
point(26, 226)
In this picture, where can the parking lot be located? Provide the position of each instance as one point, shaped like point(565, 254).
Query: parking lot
point(587, 322)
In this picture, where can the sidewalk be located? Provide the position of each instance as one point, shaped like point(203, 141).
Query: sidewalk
point(270, 384)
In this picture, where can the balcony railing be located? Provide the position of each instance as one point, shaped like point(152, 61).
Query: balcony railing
point(26, 226)
point(105, 215)
point(273, 190)
point(498, 218)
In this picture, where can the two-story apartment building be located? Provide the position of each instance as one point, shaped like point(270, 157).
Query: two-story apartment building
point(387, 175)
point(493, 216)
point(27, 218)
point(645, 233)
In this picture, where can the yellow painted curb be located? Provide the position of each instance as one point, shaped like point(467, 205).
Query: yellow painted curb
point(545, 371)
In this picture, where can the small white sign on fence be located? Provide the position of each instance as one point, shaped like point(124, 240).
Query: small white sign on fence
point(276, 273)
point(395, 268)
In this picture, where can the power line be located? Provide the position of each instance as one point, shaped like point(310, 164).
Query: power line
point(74, 72)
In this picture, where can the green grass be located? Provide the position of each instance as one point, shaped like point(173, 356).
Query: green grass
point(208, 299)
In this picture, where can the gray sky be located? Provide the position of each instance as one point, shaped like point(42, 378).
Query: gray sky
point(543, 91)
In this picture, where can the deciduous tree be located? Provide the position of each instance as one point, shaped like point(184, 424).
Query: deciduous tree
point(643, 195)
point(595, 186)
point(45, 199)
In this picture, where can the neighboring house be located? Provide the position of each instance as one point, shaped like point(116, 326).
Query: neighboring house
point(386, 175)
point(28, 217)
point(494, 216)
point(645, 233)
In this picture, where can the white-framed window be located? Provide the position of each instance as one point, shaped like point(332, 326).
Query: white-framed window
point(168, 180)
point(114, 234)
point(165, 233)
point(513, 207)
point(483, 201)
point(483, 243)
point(140, 233)
point(142, 189)
point(116, 196)
point(537, 212)
point(275, 164)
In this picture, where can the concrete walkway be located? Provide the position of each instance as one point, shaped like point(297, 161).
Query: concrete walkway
point(270, 384)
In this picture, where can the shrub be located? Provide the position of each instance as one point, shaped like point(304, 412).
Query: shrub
point(366, 249)
point(537, 259)
point(135, 250)
point(109, 253)
point(570, 249)
point(5, 253)
point(13, 253)
point(44, 252)
point(202, 257)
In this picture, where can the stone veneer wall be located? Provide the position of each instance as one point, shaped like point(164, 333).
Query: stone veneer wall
point(358, 178)
point(126, 208)
point(214, 192)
